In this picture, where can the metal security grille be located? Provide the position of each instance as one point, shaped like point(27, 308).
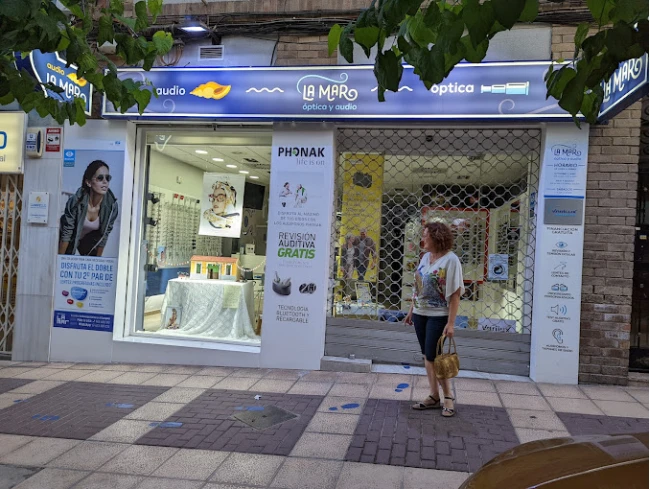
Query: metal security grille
point(483, 184)
point(11, 199)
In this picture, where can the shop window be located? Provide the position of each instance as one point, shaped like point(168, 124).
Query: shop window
point(480, 182)
point(204, 239)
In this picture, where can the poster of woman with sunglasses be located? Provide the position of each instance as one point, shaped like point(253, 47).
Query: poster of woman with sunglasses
point(222, 205)
point(90, 213)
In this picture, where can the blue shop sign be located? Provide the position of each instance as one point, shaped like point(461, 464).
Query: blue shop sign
point(628, 84)
point(51, 68)
point(485, 91)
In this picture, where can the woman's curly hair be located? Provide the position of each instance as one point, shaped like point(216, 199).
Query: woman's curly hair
point(443, 238)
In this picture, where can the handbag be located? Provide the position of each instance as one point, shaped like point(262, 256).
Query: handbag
point(447, 364)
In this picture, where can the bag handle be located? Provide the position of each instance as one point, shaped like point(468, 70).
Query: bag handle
point(441, 345)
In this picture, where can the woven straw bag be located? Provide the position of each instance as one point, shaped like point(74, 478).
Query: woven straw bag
point(447, 364)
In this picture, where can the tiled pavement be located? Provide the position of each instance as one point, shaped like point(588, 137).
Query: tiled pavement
point(353, 431)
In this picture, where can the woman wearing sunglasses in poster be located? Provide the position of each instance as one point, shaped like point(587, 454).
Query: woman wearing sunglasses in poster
point(89, 214)
point(223, 211)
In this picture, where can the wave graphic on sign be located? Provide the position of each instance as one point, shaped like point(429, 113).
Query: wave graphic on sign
point(504, 110)
point(400, 89)
point(264, 89)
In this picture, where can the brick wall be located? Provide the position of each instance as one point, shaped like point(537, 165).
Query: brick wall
point(609, 238)
point(303, 50)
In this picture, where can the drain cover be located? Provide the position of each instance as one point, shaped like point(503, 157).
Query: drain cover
point(268, 416)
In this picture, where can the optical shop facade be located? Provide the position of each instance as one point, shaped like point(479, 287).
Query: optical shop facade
point(267, 217)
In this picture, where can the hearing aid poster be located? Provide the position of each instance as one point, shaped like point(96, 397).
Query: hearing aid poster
point(89, 237)
point(222, 205)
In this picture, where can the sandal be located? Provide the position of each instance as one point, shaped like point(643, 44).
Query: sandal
point(423, 406)
point(448, 412)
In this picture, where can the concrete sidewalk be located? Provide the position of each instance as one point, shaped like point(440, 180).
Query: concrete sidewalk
point(186, 427)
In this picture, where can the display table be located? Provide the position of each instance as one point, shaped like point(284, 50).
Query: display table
point(214, 309)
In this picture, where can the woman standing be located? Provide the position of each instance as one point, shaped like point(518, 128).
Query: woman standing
point(89, 214)
point(438, 286)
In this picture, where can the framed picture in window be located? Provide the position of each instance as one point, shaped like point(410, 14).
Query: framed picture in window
point(172, 318)
point(363, 292)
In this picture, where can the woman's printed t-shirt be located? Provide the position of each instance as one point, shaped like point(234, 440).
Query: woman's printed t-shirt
point(435, 283)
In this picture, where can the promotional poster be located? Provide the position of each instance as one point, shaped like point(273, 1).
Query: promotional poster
point(222, 205)
point(88, 244)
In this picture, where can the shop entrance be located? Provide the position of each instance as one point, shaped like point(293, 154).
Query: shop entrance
point(482, 183)
point(203, 245)
point(11, 198)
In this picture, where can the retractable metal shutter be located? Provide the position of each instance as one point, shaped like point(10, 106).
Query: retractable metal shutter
point(481, 182)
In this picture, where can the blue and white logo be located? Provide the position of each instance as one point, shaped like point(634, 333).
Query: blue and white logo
point(69, 157)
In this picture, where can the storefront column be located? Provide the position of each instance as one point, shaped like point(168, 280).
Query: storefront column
point(298, 249)
point(37, 257)
point(557, 291)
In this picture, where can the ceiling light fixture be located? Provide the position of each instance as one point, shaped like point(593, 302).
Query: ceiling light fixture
point(254, 177)
point(244, 172)
point(201, 152)
point(218, 160)
point(231, 166)
point(194, 27)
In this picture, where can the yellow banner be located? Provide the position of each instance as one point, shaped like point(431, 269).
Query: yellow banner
point(363, 180)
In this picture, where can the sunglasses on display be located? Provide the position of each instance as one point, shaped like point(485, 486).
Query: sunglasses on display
point(101, 178)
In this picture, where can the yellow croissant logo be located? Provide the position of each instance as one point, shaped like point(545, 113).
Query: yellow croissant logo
point(211, 90)
point(79, 81)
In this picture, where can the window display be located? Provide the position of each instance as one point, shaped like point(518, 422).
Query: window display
point(205, 249)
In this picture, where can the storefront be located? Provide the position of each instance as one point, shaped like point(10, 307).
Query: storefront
point(270, 216)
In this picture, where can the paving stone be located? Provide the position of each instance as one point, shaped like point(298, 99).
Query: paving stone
point(166, 380)
point(432, 479)
point(342, 424)
point(350, 390)
point(424, 439)
point(535, 420)
point(138, 460)
point(132, 378)
point(200, 382)
point(308, 474)
point(38, 452)
point(216, 371)
point(156, 483)
point(607, 393)
point(9, 443)
point(89, 455)
point(526, 435)
point(624, 409)
point(322, 445)
point(640, 395)
point(37, 387)
point(583, 424)
point(272, 385)
point(155, 411)
point(524, 388)
point(179, 395)
point(10, 476)
point(249, 469)
point(9, 384)
point(67, 375)
point(320, 376)
point(568, 405)
point(53, 479)
point(312, 388)
point(479, 398)
point(99, 376)
point(517, 401)
point(124, 431)
point(236, 383)
point(192, 464)
point(74, 410)
point(560, 390)
point(356, 378)
point(207, 423)
point(37, 373)
point(366, 476)
point(9, 372)
point(108, 481)
point(342, 405)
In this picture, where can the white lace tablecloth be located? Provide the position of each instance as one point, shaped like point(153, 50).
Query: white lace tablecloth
point(215, 309)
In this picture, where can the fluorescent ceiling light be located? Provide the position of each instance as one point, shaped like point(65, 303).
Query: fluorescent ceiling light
point(231, 166)
point(193, 27)
point(218, 160)
point(244, 172)
point(201, 152)
point(254, 177)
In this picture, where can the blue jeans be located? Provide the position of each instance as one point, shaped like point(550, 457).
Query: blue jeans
point(429, 330)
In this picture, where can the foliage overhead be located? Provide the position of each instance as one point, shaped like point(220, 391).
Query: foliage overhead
point(436, 36)
point(67, 27)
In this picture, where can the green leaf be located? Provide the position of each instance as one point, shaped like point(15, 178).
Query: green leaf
point(346, 47)
point(142, 97)
point(81, 107)
point(418, 31)
point(591, 103)
point(155, 8)
point(450, 32)
point(479, 19)
point(130, 23)
point(18, 9)
point(49, 26)
point(332, 38)
point(393, 12)
point(113, 89)
point(573, 94)
point(475, 54)
point(388, 71)
point(116, 7)
point(432, 17)
point(530, 12)
point(581, 34)
point(592, 46)
point(366, 37)
point(149, 60)
point(368, 18)
point(106, 31)
point(403, 45)
point(630, 11)
point(507, 12)
point(142, 18)
point(163, 42)
point(601, 10)
point(558, 80)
